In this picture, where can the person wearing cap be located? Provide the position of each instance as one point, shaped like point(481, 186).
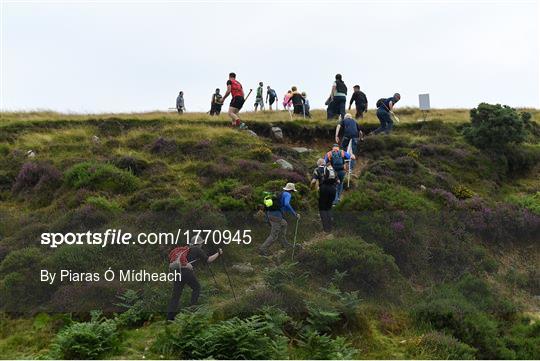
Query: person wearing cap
point(195, 254)
point(180, 103)
point(336, 158)
point(277, 220)
point(259, 102)
point(384, 113)
point(351, 134)
point(216, 103)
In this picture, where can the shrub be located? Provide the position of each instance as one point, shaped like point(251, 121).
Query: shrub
point(134, 314)
point(163, 146)
point(531, 202)
point(439, 345)
point(131, 164)
point(369, 267)
point(98, 176)
point(37, 177)
point(261, 153)
point(462, 192)
point(104, 204)
point(86, 340)
point(493, 127)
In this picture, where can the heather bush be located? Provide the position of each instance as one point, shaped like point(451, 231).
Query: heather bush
point(86, 340)
point(438, 345)
point(130, 163)
point(97, 176)
point(37, 177)
point(493, 127)
point(163, 146)
point(370, 269)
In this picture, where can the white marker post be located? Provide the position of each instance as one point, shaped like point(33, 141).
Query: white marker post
point(424, 105)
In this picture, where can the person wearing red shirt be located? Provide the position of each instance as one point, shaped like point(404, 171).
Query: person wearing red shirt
point(234, 88)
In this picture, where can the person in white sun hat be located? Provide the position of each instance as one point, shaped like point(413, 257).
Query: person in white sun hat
point(276, 205)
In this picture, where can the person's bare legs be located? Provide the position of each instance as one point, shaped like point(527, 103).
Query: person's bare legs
point(233, 113)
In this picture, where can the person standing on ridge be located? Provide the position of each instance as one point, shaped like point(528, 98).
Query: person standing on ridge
point(259, 102)
point(384, 113)
point(234, 88)
point(181, 259)
point(306, 105)
point(360, 101)
point(338, 96)
point(279, 204)
point(286, 98)
point(336, 158)
point(180, 103)
point(351, 134)
point(297, 101)
point(271, 97)
point(216, 103)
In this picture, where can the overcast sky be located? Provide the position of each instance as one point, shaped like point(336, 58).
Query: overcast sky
point(136, 56)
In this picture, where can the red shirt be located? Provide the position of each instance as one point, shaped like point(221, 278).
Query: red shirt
point(236, 88)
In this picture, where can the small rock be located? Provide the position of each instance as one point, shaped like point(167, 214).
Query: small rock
point(423, 187)
point(252, 133)
point(277, 133)
point(284, 164)
point(301, 149)
point(95, 139)
point(243, 268)
point(30, 154)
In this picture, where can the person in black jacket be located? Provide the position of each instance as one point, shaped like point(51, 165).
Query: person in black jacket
point(360, 101)
point(297, 101)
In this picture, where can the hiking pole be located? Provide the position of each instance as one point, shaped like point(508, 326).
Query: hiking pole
point(229, 278)
point(294, 242)
point(247, 96)
point(213, 276)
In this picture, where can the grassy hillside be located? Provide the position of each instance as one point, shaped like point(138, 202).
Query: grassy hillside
point(436, 250)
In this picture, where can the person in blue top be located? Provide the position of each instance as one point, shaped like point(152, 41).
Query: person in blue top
point(384, 107)
point(351, 134)
point(276, 217)
point(336, 158)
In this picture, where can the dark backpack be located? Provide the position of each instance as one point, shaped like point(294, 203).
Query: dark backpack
point(382, 103)
point(329, 175)
point(341, 87)
point(350, 128)
point(337, 159)
point(178, 257)
point(272, 201)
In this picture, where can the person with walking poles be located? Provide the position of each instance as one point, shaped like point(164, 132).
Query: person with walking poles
point(271, 97)
point(385, 113)
point(180, 108)
point(259, 102)
point(234, 88)
point(336, 158)
point(182, 259)
point(351, 135)
point(276, 206)
point(216, 103)
point(338, 96)
point(360, 102)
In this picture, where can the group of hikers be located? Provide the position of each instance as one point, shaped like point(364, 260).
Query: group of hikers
point(328, 177)
point(297, 103)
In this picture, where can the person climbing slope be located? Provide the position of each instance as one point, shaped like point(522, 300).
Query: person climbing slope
point(360, 102)
point(297, 101)
point(384, 113)
point(276, 206)
point(234, 88)
point(338, 96)
point(351, 134)
point(336, 157)
point(180, 108)
point(182, 259)
point(271, 97)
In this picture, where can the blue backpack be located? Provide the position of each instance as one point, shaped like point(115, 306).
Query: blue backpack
point(337, 159)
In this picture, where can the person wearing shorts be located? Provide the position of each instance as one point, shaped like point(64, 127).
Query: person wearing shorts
point(259, 102)
point(271, 97)
point(234, 88)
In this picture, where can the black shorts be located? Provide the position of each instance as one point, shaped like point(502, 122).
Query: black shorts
point(237, 102)
point(271, 100)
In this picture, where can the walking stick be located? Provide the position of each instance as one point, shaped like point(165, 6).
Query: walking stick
point(213, 276)
point(294, 242)
point(228, 277)
point(247, 96)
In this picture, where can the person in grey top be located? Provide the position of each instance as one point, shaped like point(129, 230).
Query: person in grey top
point(180, 103)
